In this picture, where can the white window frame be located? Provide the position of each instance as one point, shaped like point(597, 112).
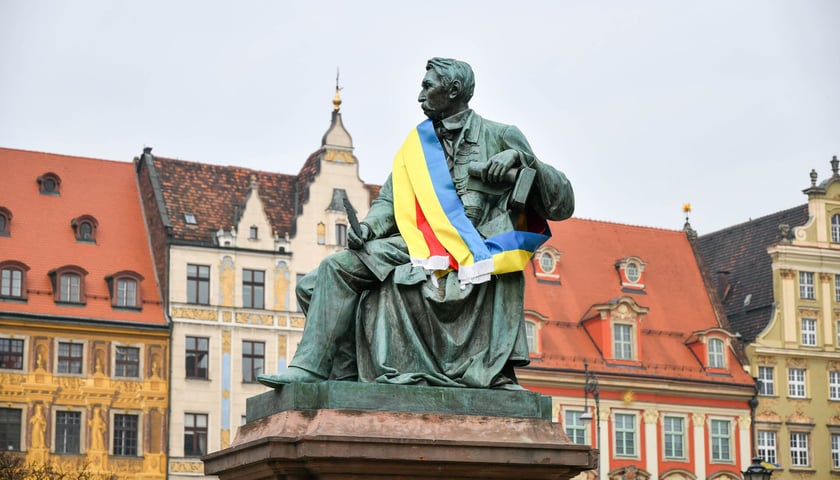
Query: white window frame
point(835, 451)
point(834, 385)
point(582, 427)
point(767, 445)
point(799, 449)
point(623, 348)
point(720, 436)
point(666, 433)
point(634, 417)
point(717, 356)
point(531, 336)
point(836, 287)
point(806, 285)
point(767, 387)
point(835, 228)
point(808, 330)
point(797, 383)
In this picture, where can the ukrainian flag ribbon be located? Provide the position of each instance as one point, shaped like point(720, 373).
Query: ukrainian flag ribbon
point(434, 225)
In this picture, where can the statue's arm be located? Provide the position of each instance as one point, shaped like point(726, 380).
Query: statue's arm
point(551, 196)
point(380, 218)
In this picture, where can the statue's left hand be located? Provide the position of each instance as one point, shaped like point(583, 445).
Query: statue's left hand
point(498, 166)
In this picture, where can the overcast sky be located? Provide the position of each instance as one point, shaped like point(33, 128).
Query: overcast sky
point(645, 105)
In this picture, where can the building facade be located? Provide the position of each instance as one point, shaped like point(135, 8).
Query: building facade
point(779, 277)
point(84, 343)
point(632, 307)
point(231, 244)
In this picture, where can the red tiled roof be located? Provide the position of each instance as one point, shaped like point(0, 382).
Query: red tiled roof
point(674, 293)
point(43, 239)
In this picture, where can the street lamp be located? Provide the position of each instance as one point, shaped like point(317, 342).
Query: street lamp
point(757, 471)
point(590, 387)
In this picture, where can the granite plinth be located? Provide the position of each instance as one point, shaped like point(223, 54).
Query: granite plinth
point(333, 441)
point(399, 398)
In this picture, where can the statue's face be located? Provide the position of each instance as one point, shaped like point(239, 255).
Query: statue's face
point(434, 98)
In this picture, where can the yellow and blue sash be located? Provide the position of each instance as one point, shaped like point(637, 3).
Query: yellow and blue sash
point(434, 224)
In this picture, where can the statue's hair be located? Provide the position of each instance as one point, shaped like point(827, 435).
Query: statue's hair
point(450, 70)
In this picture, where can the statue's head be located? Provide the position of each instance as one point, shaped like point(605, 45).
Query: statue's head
point(447, 87)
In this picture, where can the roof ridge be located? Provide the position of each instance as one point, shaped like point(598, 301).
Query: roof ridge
point(755, 220)
point(646, 227)
point(216, 165)
point(64, 155)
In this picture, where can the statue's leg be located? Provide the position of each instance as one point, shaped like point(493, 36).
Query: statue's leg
point(331, 297)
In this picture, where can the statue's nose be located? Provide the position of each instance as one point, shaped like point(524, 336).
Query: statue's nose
point(421, 98)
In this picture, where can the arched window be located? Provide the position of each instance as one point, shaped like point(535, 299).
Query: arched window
point(5, 220)
point(835, 228)
point(13, 279)
point(68, 284)
point(322, 233)
point(717, 359)
point(49, 184)
point(84, 228)
point(124, 287)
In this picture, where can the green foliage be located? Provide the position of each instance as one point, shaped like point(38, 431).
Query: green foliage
point(13, 466)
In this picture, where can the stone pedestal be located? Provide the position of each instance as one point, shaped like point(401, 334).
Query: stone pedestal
point(344, 431)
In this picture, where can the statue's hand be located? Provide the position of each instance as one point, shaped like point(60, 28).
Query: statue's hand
point(498, 166)
point(356, 242)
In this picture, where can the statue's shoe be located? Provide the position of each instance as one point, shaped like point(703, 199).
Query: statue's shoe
point(291, 375)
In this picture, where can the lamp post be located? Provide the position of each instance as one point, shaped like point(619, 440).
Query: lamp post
point(590, 387)
point(757, 471)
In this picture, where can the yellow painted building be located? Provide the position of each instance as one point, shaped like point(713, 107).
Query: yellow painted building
point(84, 343)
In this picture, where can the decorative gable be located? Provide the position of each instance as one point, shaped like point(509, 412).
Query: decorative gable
point(615, 327)
point(631, 274)
point(253, 227)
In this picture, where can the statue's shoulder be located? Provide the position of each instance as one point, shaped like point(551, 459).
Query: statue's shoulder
point(492, 127)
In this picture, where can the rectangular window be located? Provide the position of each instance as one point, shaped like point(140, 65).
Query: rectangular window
point(837, 288)
point(673, 429)
point(195, 434)
point(125, 435)
point(11, 283)
point(340, 234)
point(835, 450)
point(70, 288)
point(623, 342)
point(721, 441)
point(766, 444)
point(834, 385)
point(806, 285)
point(10, 429)
point(11, 353)
point(796, 382)
point(67, 432)
point(575, 428)
point(198, 284)
point(253, 360)
point(253, 288)
point(127, 363)
point(197, 356)
point(766, 381)
point(126, 292)
point(809, 332)
point(716, 353)
point(625, 435)
point(70, 357)
point(799, 449)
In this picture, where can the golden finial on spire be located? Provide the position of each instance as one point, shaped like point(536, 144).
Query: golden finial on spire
point(337, 99)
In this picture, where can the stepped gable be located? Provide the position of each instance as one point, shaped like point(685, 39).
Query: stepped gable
point(741, 250)
point(674, 293)
point(42, 237)
point(216, 195)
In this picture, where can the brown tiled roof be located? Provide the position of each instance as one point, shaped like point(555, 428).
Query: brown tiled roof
point(42, 238)
point(216, 195)
point(675, 294)
point(741, 250)
point(310, 169)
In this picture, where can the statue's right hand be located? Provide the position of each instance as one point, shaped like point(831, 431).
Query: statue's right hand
point(356, 242)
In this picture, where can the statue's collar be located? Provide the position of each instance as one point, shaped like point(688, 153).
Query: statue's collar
point(458, 121)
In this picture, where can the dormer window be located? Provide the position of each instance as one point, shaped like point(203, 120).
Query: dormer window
point(616, 326)
point(717, 357)
point(49, 184)
point(124, 287)
point(5, 220)
point(252, 233)
point(68, 284)
point(84, 228)
point(546, 265)
point(631, 273)
point(190, 219)
point(13, 280)
point(835, 228)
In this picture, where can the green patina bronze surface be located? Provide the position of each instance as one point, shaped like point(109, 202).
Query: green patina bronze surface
point(399, 398)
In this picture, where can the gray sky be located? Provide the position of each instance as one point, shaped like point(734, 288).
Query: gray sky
point(645, 105)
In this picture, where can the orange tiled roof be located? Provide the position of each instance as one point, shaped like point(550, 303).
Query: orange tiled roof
point(43, 239)
point(674, 293)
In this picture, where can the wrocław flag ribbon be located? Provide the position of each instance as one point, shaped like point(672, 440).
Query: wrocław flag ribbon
point(434, 224)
